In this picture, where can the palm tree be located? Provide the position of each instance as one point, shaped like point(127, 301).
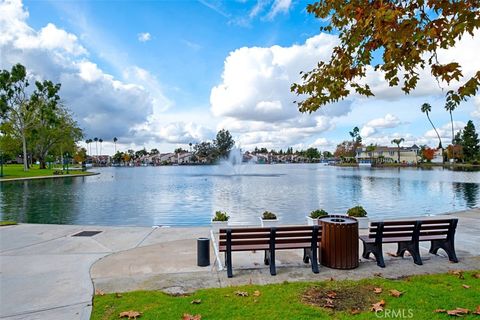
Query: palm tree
point(87, 142)
point(426, 108)
point(96, 145)
point(115, 144)
point(450, 106)
point(100, 140)
point(398, 142)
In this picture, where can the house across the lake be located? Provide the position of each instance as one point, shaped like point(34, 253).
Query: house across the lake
point(383, 154)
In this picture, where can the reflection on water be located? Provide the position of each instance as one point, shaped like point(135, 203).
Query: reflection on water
point(188, 195)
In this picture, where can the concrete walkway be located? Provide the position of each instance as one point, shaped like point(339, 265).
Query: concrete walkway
point(47, 273)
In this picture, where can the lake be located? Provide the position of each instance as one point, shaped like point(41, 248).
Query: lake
point(188, 195)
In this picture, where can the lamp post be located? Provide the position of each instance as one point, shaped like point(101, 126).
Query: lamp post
point(1, 164)
point(66, 159)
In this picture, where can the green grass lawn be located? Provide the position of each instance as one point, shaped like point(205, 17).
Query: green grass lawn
point(12, 171)
point(421, 296)
point(7, 223)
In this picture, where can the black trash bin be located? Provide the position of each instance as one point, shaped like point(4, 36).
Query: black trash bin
point(203, 252)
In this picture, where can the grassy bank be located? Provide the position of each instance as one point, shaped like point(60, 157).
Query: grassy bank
point(419, 297)
point(13, 171)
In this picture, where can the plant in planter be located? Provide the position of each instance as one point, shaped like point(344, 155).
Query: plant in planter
point(359, 213)
point(268, 219)
point(220, 220)
point(312, 219)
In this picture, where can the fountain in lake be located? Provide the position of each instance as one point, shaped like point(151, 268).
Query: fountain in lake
point(233, 165)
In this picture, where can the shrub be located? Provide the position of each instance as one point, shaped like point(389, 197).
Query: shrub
point(267, 215)
point(220, 216)
point(315, 214)
point(357, 212)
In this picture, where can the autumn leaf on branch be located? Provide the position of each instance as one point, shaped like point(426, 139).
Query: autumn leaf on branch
point(409, 35)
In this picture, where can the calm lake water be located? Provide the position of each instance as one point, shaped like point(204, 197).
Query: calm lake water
point(188, 195)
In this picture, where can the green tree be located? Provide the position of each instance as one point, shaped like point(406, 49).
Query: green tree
point(224, 143)
point(312, 153)
point(206, 150)
point(470, 142)
point(154, 151)
point(407, 33)
point(21, 108)
point(398, 142)
point(371, 149)
point(355, 134)
point(51, 130)
point(327, 154)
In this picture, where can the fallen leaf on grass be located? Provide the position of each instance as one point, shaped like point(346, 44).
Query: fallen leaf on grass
point(477, 312)
point(329, 303)
point(458, 312)
point(395, 293)
point(332, 294)
point(332, 279)
point(378, 274)
point(440, 310)
point(118, 295)
point(377, 290)
point(196, 301)
point(458, 273)
point(241, 293)
point(256, 293)
point(378, 306)
point(187, 316)
point(476, 275)
point(130, 314)
point(99, 292)
point(355, 311)
point(466, 286)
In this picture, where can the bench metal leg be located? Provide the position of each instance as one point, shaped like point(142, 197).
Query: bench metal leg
point(377, 252)
point(228, 262)
point(314, 260)
point(266, 258)
point(446, 245)
point(306, 255)
point(271, 260)
point(413, 248)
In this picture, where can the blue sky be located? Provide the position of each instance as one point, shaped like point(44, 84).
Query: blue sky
point(166, 73)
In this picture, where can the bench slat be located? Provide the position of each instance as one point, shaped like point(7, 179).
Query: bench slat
point(281, 234)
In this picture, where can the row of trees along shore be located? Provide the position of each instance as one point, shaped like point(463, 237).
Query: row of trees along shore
point(465, 146)
point(35, 123)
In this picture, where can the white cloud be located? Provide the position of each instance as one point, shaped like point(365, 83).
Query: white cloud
point(255, 92)
point(372, 126)
point(445, 133)
point(103, 105)
point(476, 102)
point(279, 6)
point(144, 36)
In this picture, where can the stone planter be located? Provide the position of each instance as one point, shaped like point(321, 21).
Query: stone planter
point(269, 222)
point(217, 225)
point(312, 221)
point(362, 222)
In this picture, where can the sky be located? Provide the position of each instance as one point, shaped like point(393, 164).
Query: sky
point(163, 74)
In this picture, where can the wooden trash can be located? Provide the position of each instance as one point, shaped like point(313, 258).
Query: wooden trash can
point(339, 246)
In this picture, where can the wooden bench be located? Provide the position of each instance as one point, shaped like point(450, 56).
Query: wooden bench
point(270, 240)
point(408, 235)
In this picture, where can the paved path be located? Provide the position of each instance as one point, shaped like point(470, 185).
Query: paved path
point(47, 273)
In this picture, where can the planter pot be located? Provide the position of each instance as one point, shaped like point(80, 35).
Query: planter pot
point(362, 222)
point(312, 221)
point(217, 225)
point(269, 223)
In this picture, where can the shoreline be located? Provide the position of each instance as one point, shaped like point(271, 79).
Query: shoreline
point(51, 177)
